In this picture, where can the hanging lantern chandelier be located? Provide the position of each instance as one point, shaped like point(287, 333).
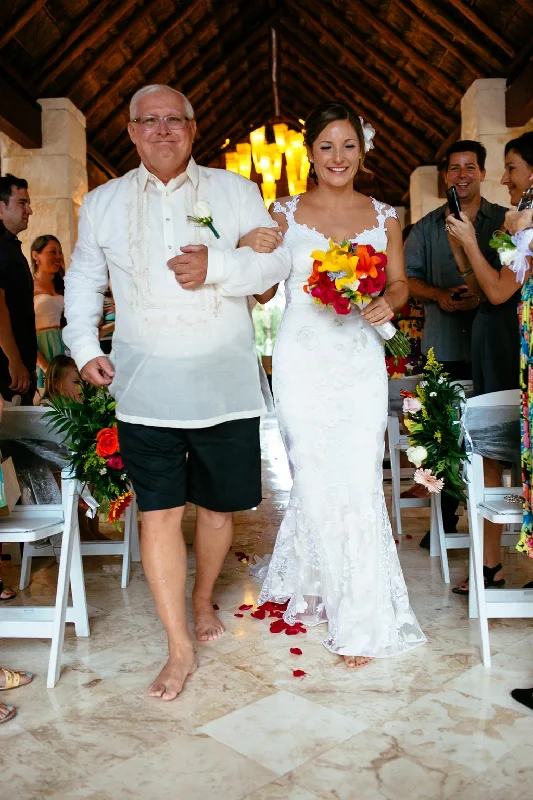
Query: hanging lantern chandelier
point(267, 158)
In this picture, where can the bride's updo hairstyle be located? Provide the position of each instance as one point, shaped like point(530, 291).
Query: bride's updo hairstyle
point(321, 116)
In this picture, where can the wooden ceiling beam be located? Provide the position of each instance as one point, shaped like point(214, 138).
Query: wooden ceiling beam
point(191, 74)
point(63, 62)
point(238, 132)
point(357, 63)
point(102, 162)
point(451, 47)
point(519, 99)
point(360, 67)
point(116, 42)
point(482, 26)
point(80, 26)
point(21, 19)
point(116, 80)
point(20, 117)
point(439, 17)
point(392, 38)
point(526, 4)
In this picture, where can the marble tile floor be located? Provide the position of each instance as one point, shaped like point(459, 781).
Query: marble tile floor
point(431, 725)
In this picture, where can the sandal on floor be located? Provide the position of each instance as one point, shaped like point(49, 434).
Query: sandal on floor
point(490, 583)
point(13, 677)
point(11, 712)
point(11, 593)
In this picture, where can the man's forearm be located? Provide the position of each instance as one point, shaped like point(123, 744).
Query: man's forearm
point(421, 290)
point(7, 340)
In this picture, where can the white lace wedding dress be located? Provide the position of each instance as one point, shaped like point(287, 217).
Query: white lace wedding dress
point(335, 559)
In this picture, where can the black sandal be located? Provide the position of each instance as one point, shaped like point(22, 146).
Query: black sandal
point(490, 583)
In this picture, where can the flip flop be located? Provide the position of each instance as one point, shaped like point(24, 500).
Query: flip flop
point(12, 713)
point(13, 678)
point(2, 590)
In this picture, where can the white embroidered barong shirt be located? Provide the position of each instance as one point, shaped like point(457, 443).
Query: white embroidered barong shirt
point(183, 358)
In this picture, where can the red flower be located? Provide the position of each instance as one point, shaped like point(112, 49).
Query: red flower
point(107, 442)
point(325, 290)
point(373, 285)
point(115, 462)
point(296, 651)
point(277, 626)
point(341, 304)
point(259, 614)
point(118, 506)
point(314, 276)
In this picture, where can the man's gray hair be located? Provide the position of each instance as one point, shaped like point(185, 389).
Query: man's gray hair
point(157, 87)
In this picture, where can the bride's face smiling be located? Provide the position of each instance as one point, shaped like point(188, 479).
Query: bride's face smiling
point(336, 154)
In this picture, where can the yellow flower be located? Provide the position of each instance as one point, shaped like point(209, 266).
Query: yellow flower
point(411, 425)
point(431, 360)
point(438, 436)
point(425, 413)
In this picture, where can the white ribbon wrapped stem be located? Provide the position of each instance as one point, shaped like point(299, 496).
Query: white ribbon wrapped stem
point(87, 497)
point(519, 265)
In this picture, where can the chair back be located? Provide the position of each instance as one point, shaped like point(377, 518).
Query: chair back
point(491, 425)
point(27, 422)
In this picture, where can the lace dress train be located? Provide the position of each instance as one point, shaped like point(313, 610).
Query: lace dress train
point(335, 559)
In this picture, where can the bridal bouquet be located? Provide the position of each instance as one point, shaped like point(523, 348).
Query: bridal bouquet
point(90, 429)
point(348, 276)
point(431, 418)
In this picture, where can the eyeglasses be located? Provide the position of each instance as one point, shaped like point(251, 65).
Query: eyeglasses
point(175, 122)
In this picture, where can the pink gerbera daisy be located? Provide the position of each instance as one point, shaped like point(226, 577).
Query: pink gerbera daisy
point(427, 479)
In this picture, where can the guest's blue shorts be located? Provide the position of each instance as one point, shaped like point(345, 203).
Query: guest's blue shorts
point(218, 468)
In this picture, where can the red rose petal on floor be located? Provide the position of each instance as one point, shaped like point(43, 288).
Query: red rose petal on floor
point(277, 626)
point(296, 651)
point(238, 615)
point(303, 630)
point(396, 541)
point(298, 673)
point(277, 614)
point(245, 608)
point(408, 536)
point(291, 630)
point(259, 614)
point(215, 607)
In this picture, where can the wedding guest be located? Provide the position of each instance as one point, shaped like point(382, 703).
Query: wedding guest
point(49, 302)
point(18, 344)
point(449, 305)
point(62, 378)
point(500, 347)
point(185, 374)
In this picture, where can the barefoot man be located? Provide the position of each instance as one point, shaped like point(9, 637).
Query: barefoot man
point(183, 368)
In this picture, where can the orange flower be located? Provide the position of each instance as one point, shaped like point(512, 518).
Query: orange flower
point(367, 263)
point(107, 442)
point(118, 506)
point(314, 276)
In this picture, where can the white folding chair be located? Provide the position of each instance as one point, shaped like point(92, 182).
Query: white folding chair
point(30, 422)
point(32, 524)
point(488, 503)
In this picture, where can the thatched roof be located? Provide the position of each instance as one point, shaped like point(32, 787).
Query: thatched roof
point(404, 64)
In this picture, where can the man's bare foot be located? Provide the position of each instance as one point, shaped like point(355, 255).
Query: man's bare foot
point(356, 661)
point(206, 623)
point(171, 680)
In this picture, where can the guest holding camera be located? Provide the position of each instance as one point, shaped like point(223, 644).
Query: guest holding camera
point(430, 256)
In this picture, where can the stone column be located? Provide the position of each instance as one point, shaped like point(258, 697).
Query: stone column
point(56, 173)
point(424, 192)
point(483, 119)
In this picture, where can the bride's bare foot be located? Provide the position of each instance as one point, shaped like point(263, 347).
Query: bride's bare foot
point(356, 661)
point(170, 681)
point(206, 623)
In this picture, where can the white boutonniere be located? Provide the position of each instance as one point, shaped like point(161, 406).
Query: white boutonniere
point(203, 216)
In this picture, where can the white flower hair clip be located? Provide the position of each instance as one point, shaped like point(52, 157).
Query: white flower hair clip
point(368, 133)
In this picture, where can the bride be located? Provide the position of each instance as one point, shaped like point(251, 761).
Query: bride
point(335, 560)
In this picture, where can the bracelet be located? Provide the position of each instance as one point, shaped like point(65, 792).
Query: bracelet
point(467, 273)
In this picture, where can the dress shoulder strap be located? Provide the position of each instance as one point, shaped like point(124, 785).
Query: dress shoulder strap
point(383, 211)
point(288, 209)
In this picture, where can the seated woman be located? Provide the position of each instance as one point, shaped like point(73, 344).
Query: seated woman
point(500, 287)
point(49, 303)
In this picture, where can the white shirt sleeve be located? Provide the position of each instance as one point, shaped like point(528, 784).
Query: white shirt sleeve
point(86, 281)
point(243, 272)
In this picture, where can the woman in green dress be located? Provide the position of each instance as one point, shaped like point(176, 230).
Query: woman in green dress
point(48, 273)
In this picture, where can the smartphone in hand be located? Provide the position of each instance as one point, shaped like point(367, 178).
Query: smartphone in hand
point(526, 201)
point(453, 202)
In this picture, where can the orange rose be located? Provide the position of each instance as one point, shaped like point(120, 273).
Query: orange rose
point(107, 442)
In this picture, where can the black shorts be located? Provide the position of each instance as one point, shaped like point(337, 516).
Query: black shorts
point(218, 468)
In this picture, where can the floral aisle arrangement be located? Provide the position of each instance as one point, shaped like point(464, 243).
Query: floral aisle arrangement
point(90, 429)
point(431, 417)
point(348, 276)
